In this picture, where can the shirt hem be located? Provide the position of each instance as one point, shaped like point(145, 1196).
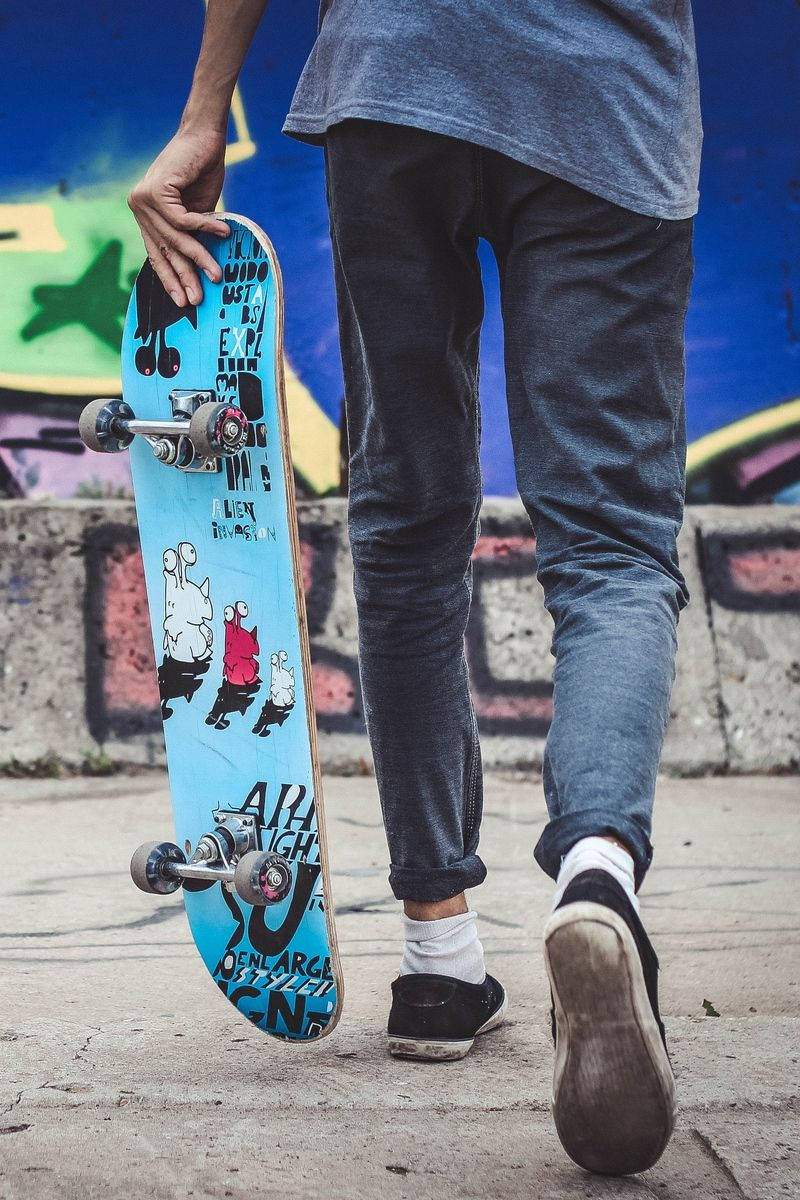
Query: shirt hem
point(311, 128)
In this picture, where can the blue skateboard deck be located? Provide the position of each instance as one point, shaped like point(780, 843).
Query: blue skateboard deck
point(224, 583)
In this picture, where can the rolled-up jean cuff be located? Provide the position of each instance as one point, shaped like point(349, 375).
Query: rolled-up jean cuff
point(428, 885)
point(563, 832)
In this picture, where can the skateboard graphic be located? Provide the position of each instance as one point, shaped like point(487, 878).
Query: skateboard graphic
point(203, 415)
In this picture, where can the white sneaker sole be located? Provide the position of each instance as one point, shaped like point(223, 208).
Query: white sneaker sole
point(613, 1088)
point(439, 1050)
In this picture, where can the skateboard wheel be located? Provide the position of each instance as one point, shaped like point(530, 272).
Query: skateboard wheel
point(262, 878)
point(98, 428)
point(148, 867)
point(217, 430)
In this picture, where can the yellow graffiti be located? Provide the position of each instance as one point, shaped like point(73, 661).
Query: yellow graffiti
point(29, 227)
point(314, 437)
point(244, 146)
point(62, 385)
point(755, 428)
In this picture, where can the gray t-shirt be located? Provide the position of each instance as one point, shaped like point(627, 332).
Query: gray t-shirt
point(602, 93)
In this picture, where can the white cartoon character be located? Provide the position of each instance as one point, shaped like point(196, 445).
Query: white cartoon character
point(281, 695)
point(281, 683)
point(187, 608)
point(187, 632)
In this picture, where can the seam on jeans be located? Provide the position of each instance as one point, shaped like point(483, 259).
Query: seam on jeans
point(472, 781)
point(476, 400)
point(478, 191)
point(679, 428)
point(478, 153)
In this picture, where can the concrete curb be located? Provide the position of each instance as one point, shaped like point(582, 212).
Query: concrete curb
point(76, 664)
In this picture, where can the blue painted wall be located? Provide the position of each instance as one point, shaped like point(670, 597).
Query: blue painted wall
point(744, 321)
point(100, 125)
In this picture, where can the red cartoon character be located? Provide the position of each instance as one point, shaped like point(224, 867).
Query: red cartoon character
point(240, 680)
point(240, 666)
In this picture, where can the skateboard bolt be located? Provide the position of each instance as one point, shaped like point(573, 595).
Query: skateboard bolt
point(274, 878)
point(231, 431)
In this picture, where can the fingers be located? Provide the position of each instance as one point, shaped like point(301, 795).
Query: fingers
point(158, 250)
point(175, 254)
point(185, 253)
point(204, 223)
point(164, 270)
point(173, 269)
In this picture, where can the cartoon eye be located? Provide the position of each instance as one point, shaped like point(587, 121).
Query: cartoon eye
point(187, 553)
point(228, 614)
point(242, 608)
point(274, 660)
point(170, 561)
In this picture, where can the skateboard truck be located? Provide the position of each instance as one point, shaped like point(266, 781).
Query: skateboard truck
point(228, 854)
point(200, 432)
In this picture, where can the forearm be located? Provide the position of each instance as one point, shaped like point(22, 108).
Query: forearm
point(229, 29)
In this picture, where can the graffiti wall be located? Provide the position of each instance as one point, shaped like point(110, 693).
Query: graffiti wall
point(79, 129)
point(123, 691)
point(88, 684)
point(75, 141)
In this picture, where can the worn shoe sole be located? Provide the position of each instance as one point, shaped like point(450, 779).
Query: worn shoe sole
point(439, 1049)
point(613, 1089)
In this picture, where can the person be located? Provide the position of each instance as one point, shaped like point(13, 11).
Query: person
point(568, 136)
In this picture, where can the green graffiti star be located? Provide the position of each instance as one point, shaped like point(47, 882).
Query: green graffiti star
point(95, 300)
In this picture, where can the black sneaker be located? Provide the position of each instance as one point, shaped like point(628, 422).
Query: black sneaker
point(438, 1017)
point(613, 1090)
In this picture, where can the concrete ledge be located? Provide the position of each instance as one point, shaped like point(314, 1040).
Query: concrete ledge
point(77, 669)
point(750, 560)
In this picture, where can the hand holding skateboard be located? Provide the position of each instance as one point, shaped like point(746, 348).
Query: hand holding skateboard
point(174, 201)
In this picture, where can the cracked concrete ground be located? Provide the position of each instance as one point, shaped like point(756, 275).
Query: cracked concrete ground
point(123, 1072)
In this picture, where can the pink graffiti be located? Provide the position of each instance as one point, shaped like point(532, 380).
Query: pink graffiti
point(333, 690)
point(503, 547)
point(772, 572)
point(307, 565)
point(517, 708)
point(751, 468)
point(129, 671)
point(45, 457)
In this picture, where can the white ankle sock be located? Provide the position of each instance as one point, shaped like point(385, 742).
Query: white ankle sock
point(595, 853)
point(449, 946)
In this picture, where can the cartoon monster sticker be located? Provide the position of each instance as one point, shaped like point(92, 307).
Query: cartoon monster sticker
point(155, 312)
point(240, 679)
point(188, 634)
point(281, 695)
point(241, 647)
point(187, 608)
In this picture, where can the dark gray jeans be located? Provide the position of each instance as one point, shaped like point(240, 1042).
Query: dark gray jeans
point(594, 299)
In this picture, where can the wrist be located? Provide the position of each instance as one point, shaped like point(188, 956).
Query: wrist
point(206, 113)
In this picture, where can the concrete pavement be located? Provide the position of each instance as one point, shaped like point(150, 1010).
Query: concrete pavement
point(123, 1072)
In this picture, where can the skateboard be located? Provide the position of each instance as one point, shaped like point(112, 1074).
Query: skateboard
point(203, 417)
